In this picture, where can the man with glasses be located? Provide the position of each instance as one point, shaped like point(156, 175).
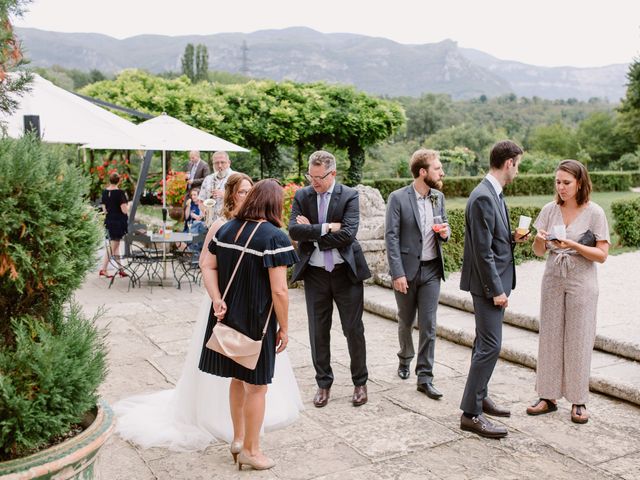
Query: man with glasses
point(324, 221)
point(213, 185)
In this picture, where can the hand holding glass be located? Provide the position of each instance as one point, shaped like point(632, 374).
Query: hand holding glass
point(523, 226)
point(438, 226)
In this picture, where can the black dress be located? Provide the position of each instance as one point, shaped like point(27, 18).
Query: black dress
point(249, 297)
point(115, 221)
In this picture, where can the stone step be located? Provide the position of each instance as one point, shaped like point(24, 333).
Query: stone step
point(611, 374)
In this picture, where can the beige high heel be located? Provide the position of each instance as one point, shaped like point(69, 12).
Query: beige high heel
point(244, 459)
point(235, 448)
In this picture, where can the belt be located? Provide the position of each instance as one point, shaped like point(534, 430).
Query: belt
point(424, 263)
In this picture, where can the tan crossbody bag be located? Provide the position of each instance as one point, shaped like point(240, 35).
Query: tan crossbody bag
point(228, 341)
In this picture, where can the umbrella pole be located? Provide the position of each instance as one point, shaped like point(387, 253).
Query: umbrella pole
point(164, 213)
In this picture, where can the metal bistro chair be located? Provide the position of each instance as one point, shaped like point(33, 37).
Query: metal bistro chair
point(124, 264)
point(185, 264)
point(140, 258)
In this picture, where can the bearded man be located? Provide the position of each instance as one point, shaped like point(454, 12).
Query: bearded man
point(415, 226)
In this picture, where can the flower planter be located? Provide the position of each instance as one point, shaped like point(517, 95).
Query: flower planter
point(72, 459)
point(176, 213)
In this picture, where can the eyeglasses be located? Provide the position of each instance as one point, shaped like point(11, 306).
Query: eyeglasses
point(317, 179)
point(243, 193)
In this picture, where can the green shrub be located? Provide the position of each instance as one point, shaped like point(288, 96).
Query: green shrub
point(627, 221)
point(530, 184)
point(48, 232)
point(51, 358)
point(453, 250)
point(49, 379)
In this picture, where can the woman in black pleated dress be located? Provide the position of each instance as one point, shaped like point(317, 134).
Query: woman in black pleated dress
point(261, 279)
point(114, 203)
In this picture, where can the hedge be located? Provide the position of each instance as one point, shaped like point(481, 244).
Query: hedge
point(532, 184)
point(453, 249)
point(627, 221)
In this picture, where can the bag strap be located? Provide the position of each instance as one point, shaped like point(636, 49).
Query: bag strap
point(244, 250)
point(235, 270)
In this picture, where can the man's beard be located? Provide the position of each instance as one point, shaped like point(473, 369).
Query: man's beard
point(437, 184)
point(223, 173)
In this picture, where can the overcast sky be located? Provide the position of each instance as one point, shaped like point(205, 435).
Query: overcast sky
point(540, 32)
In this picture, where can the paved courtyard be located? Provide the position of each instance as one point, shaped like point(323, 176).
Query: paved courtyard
point(399, 434)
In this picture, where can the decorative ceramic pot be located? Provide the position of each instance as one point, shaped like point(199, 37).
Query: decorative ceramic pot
point(176, 213)
point(71, 459)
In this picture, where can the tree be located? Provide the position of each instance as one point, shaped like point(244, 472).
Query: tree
point(557, 139)
point(630, 106)
point(202, 63)
point(599, 136)
point(11, 57)
point(356, 121)
point(188, 62)
point(195, 62)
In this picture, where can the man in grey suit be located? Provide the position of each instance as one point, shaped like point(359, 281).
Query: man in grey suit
point(324, 221)
point(489, 273)
point(416, 263)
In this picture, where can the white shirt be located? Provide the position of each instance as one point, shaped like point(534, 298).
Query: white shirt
point(494, 183)
point(425, 208)
point(209, 184)
point(317, 257)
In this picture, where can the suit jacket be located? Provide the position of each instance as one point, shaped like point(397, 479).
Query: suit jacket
point(403, 237)
point(344, 208)
point(202, 170)
point(488, 267)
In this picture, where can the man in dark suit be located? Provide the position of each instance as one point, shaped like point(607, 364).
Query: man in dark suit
point(197, 170)
point(416, 263)
point(489, 273)
point(324, 221)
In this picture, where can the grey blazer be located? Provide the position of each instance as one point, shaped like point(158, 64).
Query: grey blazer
point(402, 232)
point(488, 267)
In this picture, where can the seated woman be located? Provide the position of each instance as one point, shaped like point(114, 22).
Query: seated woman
point(192, 211)
point(196, 412)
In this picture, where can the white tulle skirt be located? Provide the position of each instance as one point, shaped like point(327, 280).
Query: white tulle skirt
point(196, 412)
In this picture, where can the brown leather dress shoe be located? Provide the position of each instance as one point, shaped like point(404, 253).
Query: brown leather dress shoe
point(483, 427)
point(490, 408)
point(359, 396)
point(321, 398)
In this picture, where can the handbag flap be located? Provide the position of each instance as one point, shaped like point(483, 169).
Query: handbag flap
point(232, 343)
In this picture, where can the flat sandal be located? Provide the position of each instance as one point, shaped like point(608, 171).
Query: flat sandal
point(550, 407)
point(580, 416)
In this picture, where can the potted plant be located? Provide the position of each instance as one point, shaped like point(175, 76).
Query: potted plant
point(176, 188)
point(52, 357)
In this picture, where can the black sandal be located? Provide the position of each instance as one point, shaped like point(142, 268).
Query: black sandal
point(535, 410)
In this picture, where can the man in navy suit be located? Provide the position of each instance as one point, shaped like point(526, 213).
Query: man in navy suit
point(489, 273)
point(324, 221)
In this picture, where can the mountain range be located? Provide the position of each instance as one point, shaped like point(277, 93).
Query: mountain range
point(375, 65)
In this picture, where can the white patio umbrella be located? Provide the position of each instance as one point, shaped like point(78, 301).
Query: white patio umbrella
point(67, 118)
point(166, 133)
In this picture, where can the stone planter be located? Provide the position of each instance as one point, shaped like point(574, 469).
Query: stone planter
point(72, 459)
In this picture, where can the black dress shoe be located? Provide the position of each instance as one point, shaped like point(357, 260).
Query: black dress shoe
point(429, 390)
point(483, 427)
point(403, 371)
point(490, 408)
